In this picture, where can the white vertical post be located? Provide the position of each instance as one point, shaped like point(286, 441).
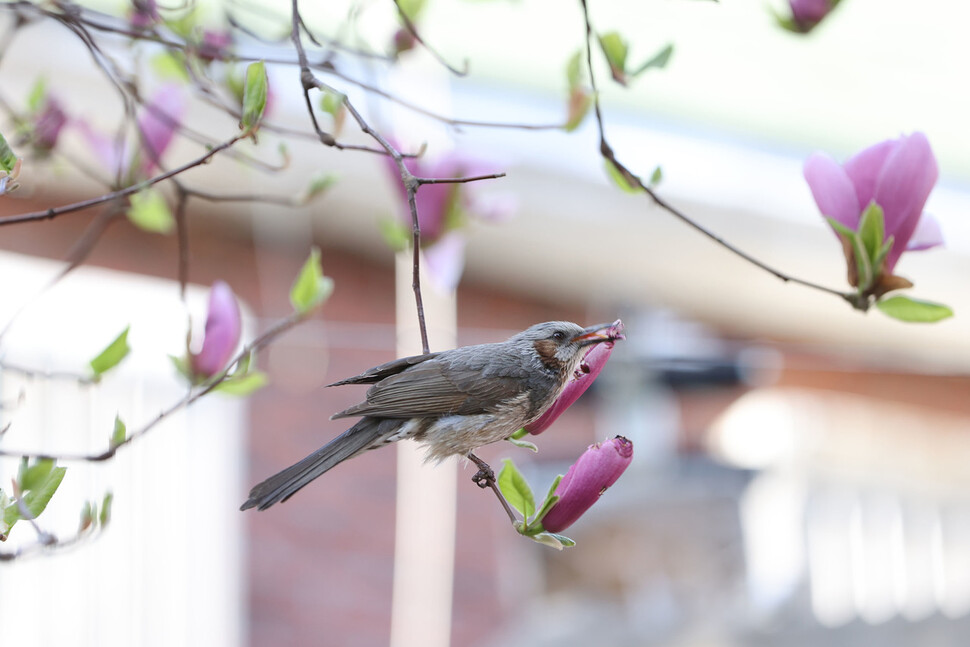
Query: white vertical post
point(424, 547)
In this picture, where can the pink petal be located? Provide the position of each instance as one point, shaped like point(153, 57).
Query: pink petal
point(864, 167)
point(809, 12)
point(832, 189)
point(445, 260)
point(595, 360)
point(158, 121)
point(105, 149)
point(928, 234)
point(902, 189)
point(587, 479)
point(223, 327)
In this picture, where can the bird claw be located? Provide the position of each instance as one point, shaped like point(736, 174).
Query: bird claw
point(484, 477)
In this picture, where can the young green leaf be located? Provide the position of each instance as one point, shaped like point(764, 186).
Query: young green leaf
point(914, 310)
point(120, 432)
point(170, 65)
point(105, 515)
point(657, 176)
point(549, 501)
point(36, 499)
point(619, 178)
point(615, 49)
point(149, 212)
point(318, 184)
point(37, 95)
point(88, 513)
point(524, 444)
point(575, 69)
point(311, 287)
point(516, 489)
point(411, 8)
point(111, 356)
point(34, 476)
point(254, 96)
point(659, 60)
point(8, 160)
point(244, 384)
point(580, 101)
point(871, 233)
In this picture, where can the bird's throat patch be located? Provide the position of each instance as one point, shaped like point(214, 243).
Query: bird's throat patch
point(547, 353)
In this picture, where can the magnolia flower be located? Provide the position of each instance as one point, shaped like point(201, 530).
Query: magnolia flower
point(48, 123)
point(223, 326)
point(443, 209)
point(898, 175)
point(589, 369)
point(143, 14)
point(157, 121)
point(597, 469)
point(808, 13)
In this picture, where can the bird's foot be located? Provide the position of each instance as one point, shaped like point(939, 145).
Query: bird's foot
point(485, 476)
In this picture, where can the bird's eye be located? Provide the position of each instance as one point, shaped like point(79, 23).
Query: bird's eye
point(559, 335)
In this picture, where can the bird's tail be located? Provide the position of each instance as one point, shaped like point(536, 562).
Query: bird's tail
point(285, 484)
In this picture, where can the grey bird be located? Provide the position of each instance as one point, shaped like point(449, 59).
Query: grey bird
point(452, 401)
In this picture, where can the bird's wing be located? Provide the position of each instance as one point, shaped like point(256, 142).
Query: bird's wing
point(435, 388)
point(378, 373)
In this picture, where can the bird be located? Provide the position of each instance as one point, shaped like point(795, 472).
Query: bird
point(452, 401)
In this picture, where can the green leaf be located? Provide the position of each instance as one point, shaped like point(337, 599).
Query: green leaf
point(619, 178)
point(88, 513)
point(168, 65)
point(106, 502)
point(657, 176)
point(563, 539)
point(311, 287)
point(524, 444)
point(182, 365)
point(516, 489)
point(411, 8)
point(549, 501)
point(552, 539)
point(319, 184)
point(872, 232)
point(863, 263)
point(883, 252)
point(254, 96)
point(38, 93)
point(120, 432)
point(575, 69)
point(615, 49)
point(30, 478)
point(111, 356)
point(914, 310)
point(331, 102)
point(149, 212)
point(659, 60)
point(244, 384)
point(36, 499)
point(580, 101)
point(8, 160)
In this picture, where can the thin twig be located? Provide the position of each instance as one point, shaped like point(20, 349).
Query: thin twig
point(260, 342)
point(406, 21)
point(606, 151)
point(54, 212)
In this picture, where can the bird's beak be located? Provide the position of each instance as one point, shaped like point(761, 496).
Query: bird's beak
point(600, 333)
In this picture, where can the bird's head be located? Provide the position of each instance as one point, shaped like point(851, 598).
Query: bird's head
point(561, 345)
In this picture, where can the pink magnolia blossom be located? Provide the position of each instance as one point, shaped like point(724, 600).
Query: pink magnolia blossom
point(223, 327)
point(48, 123)
point(592, 365)
point(897, 174)
point(444, 209)
point(158, 121)
point(144, 14)
point(808, 13)
point(597, 469)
